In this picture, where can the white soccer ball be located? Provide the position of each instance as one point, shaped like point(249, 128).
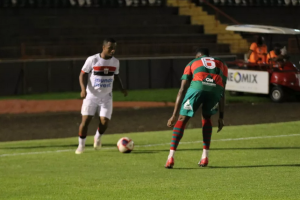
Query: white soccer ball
point(125, 145)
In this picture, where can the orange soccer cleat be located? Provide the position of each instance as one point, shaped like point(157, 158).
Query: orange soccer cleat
point(203, 162)
point(170, 163)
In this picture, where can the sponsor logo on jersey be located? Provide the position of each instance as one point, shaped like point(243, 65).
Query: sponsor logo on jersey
point(103, 83)
point(209, 81)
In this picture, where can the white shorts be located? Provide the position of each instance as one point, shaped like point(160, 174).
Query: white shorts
point(103, 107)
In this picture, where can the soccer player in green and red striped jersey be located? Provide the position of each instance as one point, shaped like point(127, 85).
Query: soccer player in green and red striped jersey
point(203, 83)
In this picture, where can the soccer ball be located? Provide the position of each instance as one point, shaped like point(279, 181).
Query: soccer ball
point(125, 145)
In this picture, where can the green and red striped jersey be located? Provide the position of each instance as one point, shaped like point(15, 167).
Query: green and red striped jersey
point(206, 73)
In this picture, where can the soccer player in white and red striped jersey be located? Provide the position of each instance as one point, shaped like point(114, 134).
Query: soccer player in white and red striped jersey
point(96, 82)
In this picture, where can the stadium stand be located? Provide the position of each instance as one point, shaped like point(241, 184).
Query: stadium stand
point(282, 13)
point(76, 28)
point(215, 15)
point(33, 32)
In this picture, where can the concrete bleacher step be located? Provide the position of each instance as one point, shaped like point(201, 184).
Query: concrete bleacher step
point(211, 25)
point(138, 31)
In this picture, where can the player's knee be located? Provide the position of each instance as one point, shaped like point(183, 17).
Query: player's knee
point(84, 123)
point(206, 122)
point(206, 117)
point(82, 135)
point(183, 118)
point(104, 121)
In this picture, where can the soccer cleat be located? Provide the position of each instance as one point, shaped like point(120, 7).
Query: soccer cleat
point(79, 150)
point(170, 163)
point(97, 144)
point(203, 162)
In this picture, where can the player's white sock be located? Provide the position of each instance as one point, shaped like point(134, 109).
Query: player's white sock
point(97, 135)
point(171, 154)
point(205, 153)
point(81, 141)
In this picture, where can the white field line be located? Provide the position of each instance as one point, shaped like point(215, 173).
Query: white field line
point(151, 145)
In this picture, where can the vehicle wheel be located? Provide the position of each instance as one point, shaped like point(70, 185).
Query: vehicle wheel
point(277, 94)
point(233, 93)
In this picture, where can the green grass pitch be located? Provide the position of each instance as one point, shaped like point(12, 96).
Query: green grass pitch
point(246, 162)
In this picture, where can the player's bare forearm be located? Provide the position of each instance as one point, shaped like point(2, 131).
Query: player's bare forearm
point(221, 113)
point(181, 93)
point(221, 106)
point(120, 84)
point(83, 80)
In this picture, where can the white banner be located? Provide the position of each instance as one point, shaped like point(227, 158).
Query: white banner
point(248, 81)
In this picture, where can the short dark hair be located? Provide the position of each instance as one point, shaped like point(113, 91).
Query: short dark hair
point(260, 40)
point(203, 51)
point(107, 40)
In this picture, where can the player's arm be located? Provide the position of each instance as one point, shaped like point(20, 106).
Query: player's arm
point(222, 100)
point(120, 84)
point(83, 76)
point(181, 93)
point(83, 83)
point(185, 83)
point(221, 112)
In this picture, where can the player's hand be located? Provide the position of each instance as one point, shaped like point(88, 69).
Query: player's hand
point(124, 92)
point(83, 94)
point(220, 124)
point(171, 121)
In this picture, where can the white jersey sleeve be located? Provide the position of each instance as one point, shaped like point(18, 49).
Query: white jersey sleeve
point(88, 65)
point(117, 67)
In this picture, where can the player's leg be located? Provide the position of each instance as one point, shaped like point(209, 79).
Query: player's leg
point(88, 110)
point(103, 124)
point(206, 134)
point(178, 131)
point(83, 128)
point(190, 104)
point(105, 112)
point(209, 108)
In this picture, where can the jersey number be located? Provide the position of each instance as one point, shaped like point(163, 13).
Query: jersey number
point(208, 62)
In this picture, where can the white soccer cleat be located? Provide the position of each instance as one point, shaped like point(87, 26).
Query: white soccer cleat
point(97, 144)
point(79, 150)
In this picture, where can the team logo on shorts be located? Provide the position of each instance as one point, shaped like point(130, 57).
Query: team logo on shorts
point(187, 105)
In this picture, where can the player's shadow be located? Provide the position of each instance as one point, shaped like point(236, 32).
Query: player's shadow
point(144, 151)
point(255, 148)
point(213, 149)
point(236, 167)
point(56, 146)
point(225, 149)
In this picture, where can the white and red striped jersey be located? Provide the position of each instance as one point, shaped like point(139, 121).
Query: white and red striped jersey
point(101, 75)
